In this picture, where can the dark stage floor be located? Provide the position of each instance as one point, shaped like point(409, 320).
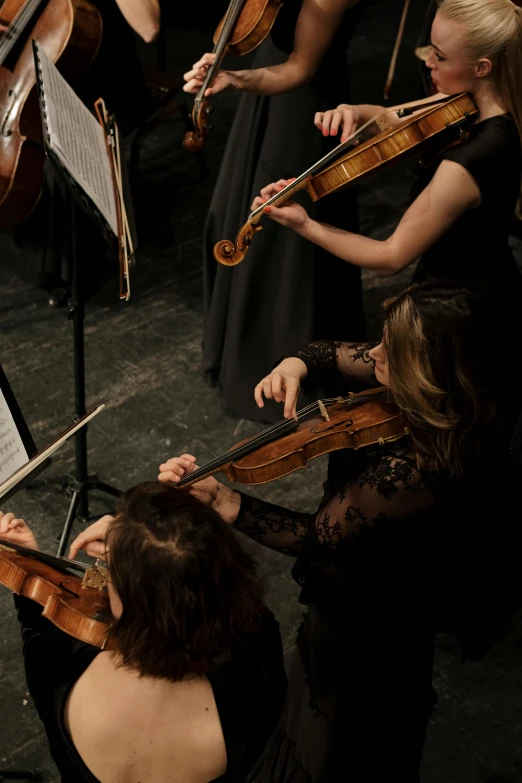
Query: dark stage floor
point(143, 361)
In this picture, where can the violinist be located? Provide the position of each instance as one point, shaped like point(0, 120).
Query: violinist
point(281, 300)
point(464, 199)
point(393, 518)
point(192, 681)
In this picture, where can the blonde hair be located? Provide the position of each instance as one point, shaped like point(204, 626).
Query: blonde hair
point(494, 30)
point(443, 368)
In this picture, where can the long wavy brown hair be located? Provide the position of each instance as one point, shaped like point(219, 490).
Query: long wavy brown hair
point(190, 592)
point(445, 365)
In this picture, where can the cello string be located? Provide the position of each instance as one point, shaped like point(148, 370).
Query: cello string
point(16, 27)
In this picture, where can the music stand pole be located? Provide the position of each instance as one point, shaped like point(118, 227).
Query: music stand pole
point(81, 482)
point(77, 315)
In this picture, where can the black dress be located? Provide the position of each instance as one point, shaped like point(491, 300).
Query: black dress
point(249, 690)
point(281, 296)
point(38, 250)
point(369, 564)
point(476, 246)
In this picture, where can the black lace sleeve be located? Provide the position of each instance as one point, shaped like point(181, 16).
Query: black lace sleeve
point(274, 526)
point(328, 360)
point(385, 485)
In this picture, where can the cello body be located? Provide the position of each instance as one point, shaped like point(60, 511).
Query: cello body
point(70, 32)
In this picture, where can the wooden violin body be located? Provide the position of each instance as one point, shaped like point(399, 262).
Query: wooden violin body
point(344, 423)
point(376, 154)
point(244, 26)
point(68, 604)
point(70, 33)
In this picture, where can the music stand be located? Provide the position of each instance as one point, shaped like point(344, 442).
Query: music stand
point(123, 236)
point(6, 774)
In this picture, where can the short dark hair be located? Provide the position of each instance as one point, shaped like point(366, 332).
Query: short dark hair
point(190, 593)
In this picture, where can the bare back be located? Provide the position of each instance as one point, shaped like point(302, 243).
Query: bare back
point(129, 729)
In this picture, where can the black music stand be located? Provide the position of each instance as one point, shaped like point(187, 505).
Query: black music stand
point(81, 483)
point(6, 774)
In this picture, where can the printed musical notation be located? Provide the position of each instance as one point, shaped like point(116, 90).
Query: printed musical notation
point(12, 450)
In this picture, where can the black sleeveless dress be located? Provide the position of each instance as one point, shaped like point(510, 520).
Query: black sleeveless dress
point(287, 291)
point(249, 690)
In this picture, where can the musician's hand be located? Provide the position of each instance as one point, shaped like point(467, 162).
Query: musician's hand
point(92, 539)
point(209, 491)
point(223, 80)
point(291, 214)
point(17, 531)
point(344, 116)
point(283, 385)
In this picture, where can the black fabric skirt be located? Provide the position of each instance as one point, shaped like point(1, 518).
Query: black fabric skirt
point(357, 707)
point(286, 292)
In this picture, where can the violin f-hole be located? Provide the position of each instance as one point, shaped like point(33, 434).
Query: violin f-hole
point(68, 590)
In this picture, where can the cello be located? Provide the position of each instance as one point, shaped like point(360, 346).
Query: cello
point(337, 170)
point(70, 33)
point(244, 26)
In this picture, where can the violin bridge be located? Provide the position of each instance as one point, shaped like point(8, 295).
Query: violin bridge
point(324, 412)
point(96, 577)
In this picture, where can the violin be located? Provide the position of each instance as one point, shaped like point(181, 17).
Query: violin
point(70, 32)
point(383, 150)
point(244, 26)
point(351, 422)
point(79, 606)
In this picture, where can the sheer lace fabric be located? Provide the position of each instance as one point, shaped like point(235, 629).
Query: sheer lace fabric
point(364, 487)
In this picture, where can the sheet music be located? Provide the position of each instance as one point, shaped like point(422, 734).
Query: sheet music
point(78, 140)
point(12, 450)
point(16, 475)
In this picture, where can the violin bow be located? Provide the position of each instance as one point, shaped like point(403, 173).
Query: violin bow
point(398, 41)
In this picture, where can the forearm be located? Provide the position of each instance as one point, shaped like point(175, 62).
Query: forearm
point(143, 16)
point(274, 526)
point(272, 80)
point(379, 255)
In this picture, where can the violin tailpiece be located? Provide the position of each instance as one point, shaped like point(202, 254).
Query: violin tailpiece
point(95, 578)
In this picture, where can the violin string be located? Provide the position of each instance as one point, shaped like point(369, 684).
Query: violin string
point(16, 27)
point(314, 407)
point(316, 166)
point(231, 17)
point(264, 436)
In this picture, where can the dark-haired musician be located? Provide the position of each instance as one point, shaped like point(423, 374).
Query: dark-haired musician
point(194, 681)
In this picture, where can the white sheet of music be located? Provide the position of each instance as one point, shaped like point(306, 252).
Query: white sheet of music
point(78, 140)
point(12, 450)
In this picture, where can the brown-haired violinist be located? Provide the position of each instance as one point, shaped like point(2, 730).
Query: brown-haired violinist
point(410, 538)
point(278, 302)
point(192, 681)
point(464, 200)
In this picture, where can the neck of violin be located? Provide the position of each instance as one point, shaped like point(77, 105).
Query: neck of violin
point(220, 48)
point(300, 182)
point(16, 27)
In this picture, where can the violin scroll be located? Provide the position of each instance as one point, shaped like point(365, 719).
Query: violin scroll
point(194, 140)
point(230, 253)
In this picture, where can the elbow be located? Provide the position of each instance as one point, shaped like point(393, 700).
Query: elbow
point(393, 262)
